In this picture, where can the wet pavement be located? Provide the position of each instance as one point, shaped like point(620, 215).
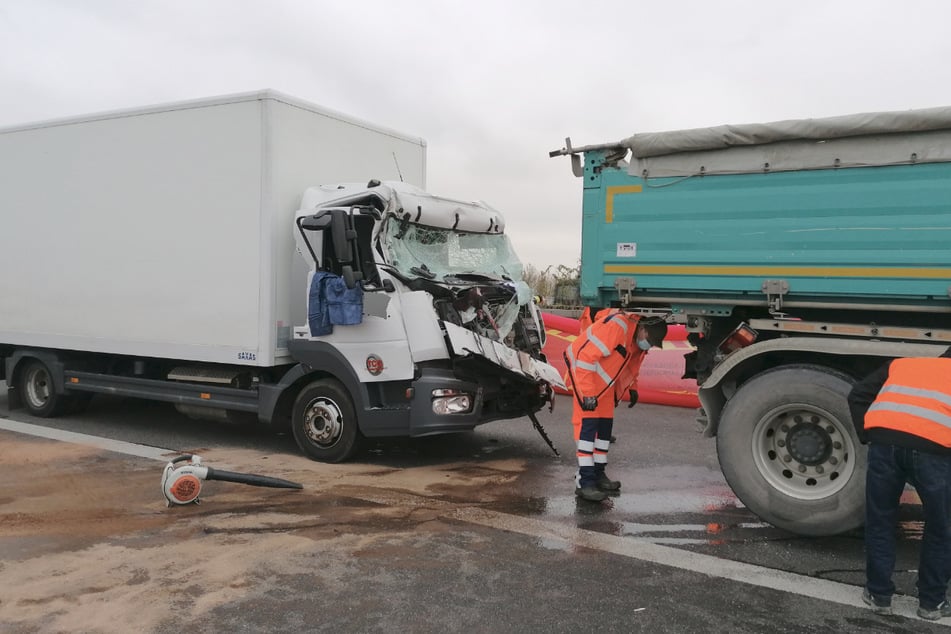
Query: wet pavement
point(479, 533)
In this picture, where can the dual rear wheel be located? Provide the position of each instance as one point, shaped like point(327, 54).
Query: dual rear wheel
point(788, 449)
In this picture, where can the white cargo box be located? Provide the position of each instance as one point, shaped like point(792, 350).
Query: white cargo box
point(167, 231)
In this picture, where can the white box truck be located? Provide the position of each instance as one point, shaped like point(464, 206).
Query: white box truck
point(256, 256)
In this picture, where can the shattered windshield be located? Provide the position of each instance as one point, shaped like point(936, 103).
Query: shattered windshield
point(444, 252)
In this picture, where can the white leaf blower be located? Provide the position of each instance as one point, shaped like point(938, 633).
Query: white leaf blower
point(182, 484)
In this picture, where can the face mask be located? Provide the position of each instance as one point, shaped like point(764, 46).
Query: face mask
point(644, 344)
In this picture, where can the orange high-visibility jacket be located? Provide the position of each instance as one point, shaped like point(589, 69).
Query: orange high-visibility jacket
point(916, 399)
point(604, 362)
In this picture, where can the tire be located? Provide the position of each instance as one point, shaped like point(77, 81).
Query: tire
point(788, 450)
point(38, 393)
point(324, 422)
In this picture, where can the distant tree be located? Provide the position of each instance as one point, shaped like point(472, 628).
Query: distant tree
point(541, 282)
point(567, 284)
point(555, 284)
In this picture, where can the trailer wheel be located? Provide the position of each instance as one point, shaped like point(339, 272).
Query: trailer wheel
point(38, 393)
point(325, 423)
point(788, 450)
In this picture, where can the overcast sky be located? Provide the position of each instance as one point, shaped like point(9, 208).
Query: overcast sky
point(492, 86)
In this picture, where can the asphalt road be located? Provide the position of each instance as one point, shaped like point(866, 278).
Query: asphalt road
point(504, 544)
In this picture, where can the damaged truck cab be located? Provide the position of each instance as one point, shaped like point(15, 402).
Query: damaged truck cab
point(449, 337)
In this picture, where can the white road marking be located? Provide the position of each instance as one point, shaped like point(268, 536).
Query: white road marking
point(639, 548)
point(118, 446)
point(644, 550)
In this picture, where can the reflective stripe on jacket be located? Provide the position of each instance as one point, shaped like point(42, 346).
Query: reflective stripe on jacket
point(604, 361)
point(916, 399)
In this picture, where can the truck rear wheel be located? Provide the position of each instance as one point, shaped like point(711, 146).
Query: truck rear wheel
point(325, 423)
point(38, 393)
point(788, 449)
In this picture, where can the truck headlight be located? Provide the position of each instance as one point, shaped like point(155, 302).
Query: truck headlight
point(451, 402)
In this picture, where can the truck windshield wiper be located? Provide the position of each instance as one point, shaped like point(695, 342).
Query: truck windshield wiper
point(418, 283)
point(422, 271)
point(467, 277)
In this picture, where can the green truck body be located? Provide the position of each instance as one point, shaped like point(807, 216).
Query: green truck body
point(800, 255)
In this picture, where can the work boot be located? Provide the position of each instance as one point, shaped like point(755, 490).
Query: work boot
point(883, 605)
point(604, 483)
point(590, 494)
point(943, 609)
point(613, 438)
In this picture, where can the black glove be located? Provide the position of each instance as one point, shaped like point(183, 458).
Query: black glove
point(589, 403)
point(632, 395)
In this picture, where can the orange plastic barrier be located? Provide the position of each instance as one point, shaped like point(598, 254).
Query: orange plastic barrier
point(659, 381)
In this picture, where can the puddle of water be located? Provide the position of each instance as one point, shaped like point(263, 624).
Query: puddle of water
point(674, 501)
point(632, 528)
point(714, 516)
point(646, 503)
point(701, 510)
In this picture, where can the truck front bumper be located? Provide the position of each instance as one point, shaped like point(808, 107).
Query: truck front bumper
point(492, 397)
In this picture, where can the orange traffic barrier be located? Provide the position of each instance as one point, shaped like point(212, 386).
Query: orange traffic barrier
point(660, 379)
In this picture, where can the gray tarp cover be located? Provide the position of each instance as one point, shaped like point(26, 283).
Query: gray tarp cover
point(869, 139)
point(723, 136)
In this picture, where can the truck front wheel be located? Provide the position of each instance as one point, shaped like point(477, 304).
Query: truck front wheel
point(325, 423)
point(788, 450)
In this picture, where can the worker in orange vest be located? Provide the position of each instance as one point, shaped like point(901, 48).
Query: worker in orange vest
point(903, 412)
point(603, 364)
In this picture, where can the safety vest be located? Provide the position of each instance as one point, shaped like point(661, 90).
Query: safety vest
point(916, 400)
point(603, 358)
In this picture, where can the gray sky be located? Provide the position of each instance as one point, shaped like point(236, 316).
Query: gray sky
point(491, 85)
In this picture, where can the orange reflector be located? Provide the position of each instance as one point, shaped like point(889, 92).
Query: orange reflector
point(73, 380)
point(206, 396)
point(739, 338)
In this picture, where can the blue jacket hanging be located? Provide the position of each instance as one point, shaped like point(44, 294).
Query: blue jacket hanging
point(318, 316)
point(331, 302)
point(344, 304)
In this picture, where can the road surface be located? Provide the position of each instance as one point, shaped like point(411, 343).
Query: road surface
point(476, 532)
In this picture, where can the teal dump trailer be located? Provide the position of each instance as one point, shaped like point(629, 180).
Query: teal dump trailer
point(800, 255)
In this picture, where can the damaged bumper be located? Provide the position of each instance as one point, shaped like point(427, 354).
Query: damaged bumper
point(467, 344)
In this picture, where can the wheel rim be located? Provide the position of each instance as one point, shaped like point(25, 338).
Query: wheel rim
point(38, 387)
point(323, 422)
point(803, 451)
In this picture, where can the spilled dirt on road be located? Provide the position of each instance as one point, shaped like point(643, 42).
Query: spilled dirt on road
point(88, 544)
